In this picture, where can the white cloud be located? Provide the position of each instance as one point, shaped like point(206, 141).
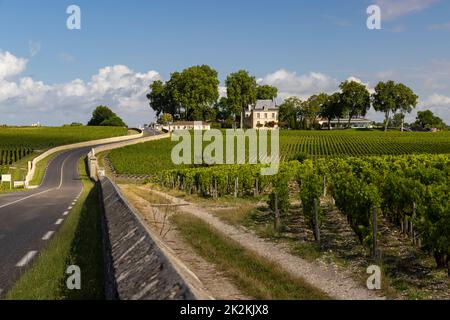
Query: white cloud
point(438, 100)
point(10, 65)
point(119, 87)
point(34, 47)
point(291, 84)
point(440, 26)
point(392, 9)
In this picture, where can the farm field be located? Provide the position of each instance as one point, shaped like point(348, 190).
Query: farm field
point(152, 157)
point(389, 210)
point(19, 144)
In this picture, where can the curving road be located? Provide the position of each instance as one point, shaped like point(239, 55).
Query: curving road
point(29, 219)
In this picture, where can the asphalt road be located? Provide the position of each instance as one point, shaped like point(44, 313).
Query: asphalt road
point(29, 219)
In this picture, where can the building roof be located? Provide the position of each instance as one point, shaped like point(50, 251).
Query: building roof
point(190, 123)
point(265, 104)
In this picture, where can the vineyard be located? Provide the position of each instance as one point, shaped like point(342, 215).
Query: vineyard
point(17, 143)
point(362, 143)
point(152, 157)
point(10, 156)
point(411, 192)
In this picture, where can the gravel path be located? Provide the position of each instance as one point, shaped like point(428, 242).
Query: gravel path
point(334, 283)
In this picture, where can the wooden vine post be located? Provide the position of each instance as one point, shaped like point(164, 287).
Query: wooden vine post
point(277, 214)
point(375, 233)
point(316, 222)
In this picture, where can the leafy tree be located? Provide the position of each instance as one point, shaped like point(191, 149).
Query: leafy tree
point(103, 116)
point(165, 119)
point(241, 92)
point(390, 97)
point(313, 106)
point(332, 108)
point(398, 120)
point(385, 100)
point(188, 95)
point(114, 121)
point(266, 92)
point(160, 99)
point(356, 99)
point(406, 100)
point(426, 119)
point(290, 112)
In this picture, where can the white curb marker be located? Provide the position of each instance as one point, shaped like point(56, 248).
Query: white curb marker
point(25, 260)
point(59, 221)
point(48, 235)
point(65, 213)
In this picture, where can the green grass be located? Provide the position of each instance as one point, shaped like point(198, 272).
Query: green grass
point(78, 242)
point(41, 166)
point(49, 137)
point(252, 274)
point(152, 157)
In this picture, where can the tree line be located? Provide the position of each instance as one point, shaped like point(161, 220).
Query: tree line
point(193, 95)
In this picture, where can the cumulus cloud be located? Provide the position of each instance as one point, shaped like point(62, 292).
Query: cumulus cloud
point(392, 9)
point(26, 99)
point(303, 85)
point(10, 65)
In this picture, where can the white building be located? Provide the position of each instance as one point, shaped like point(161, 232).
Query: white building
point(262, 115)
point(342, 123)
point(187, 125)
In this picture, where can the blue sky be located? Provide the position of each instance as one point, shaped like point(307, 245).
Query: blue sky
point(55, 75)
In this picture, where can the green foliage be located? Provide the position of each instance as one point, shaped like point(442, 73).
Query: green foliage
point(165, 119)
point(290, 113)
point(332, 108)
point(280, 192)
point(356, 99)
point(188, 95)
point(266, 92)
point(241, 91)
point(426, 119)
point(390, 97)
point(311, 189)
point(105, 117)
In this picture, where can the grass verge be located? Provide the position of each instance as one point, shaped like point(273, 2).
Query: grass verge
point(252, 274)
point(41, 166)
point(78, 242)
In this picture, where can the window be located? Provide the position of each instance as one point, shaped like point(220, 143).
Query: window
point(258, 115)
point(265, 115)
point(273, 115)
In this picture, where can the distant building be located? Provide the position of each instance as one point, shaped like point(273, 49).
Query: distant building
point(262, 115)
point(342, 123)
point(36, 125)
point(187, 125)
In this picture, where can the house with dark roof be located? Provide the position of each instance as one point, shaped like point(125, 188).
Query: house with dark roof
point(262, 115)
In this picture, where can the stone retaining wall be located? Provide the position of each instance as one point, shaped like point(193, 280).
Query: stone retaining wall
point(136, 269)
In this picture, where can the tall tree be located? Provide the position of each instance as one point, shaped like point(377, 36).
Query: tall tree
point(290, 113)
point(385, 100)
point(312, 107)
point(241, 92)
point(266, 92)
point(332, 108)
point(406, 101)
point(356, 99)
point(190, 94)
